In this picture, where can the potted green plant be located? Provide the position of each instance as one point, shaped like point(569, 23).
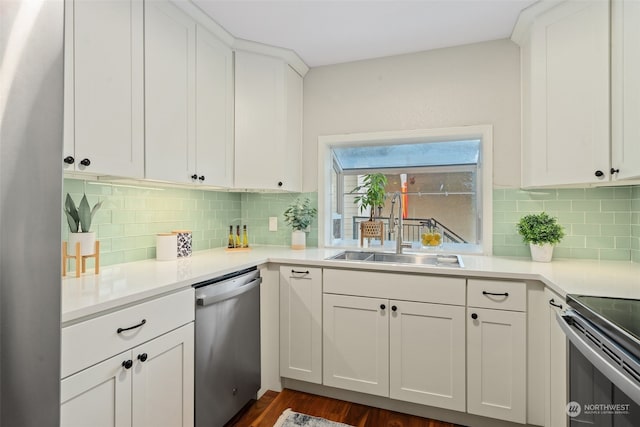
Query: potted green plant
point(542, 232)
point(79, 220)
point(299, 216)
point(373, 198)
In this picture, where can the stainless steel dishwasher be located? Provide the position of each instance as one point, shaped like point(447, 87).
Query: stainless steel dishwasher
point(227, 365)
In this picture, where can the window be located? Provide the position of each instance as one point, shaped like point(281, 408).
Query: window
point(443, 175)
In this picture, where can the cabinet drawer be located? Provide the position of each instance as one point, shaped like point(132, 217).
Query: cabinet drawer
point(92, 341)
point(497, 294)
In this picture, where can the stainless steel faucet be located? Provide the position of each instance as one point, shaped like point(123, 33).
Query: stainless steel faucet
point(397, 225)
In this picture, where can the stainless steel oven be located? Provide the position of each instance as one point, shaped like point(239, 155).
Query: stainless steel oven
point(604, 360)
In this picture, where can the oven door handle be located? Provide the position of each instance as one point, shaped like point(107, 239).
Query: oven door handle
point(614, 375)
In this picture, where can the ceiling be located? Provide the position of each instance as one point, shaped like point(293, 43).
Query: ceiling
point(324, 32)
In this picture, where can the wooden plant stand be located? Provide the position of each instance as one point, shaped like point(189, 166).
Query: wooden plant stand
point(81, 260)
point(371, 229)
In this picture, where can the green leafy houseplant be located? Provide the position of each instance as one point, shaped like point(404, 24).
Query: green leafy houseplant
point(79, 219)
point(374, 186)
point(299, 214)
point(539, 229)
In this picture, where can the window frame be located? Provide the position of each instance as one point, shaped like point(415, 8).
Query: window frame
point(485, 171)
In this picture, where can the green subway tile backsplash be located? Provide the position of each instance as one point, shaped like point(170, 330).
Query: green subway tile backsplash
point(131, 216)
point(258, 207)
point(600, 223)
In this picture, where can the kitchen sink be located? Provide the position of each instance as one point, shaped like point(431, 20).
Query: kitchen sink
point(442, 260)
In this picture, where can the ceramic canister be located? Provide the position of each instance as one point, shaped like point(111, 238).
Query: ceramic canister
point(166, 244)
point(184, 242)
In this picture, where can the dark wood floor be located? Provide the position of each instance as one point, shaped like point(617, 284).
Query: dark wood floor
point(265, 412)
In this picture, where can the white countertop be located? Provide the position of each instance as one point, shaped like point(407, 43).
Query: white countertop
point(124, 284)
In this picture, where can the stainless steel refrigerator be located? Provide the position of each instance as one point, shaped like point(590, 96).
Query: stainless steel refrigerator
point(31, 108)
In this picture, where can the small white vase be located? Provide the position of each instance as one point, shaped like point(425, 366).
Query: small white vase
point(298, 239)
point(87, 243)
point(541, 253)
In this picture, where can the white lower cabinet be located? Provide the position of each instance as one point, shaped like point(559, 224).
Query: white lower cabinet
point(427, 354)
point(99, 396)
point(555, 364)
point(497, 364)
point(356, 344)
point(407, 350)
point(301, 323)
point(132, 367)
point(150, 385)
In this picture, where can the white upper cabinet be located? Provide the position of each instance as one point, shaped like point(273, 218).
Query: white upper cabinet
point(214, 110)
point(268, 123)
point(189, 99)
point(565, 96)
point(625, 84)
point(104, 93)
point(170, 36)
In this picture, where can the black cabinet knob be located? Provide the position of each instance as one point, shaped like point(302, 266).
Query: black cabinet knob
point(614, 171)
point(279, 183)
point(85, 162)
point(599, 173)
point(474, 316)
point(69, 160)
point(201, 178)
point(382, 306)
point(127, 364)
point(194, 177)
point(394, 308)
point(143, 357)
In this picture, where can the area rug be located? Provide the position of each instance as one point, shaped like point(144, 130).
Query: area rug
point(290, 418)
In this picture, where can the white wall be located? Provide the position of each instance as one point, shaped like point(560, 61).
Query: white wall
point(467, 85)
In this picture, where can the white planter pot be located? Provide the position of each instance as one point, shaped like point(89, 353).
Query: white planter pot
point(298, 239)
point(541, 253)
point(87, 243)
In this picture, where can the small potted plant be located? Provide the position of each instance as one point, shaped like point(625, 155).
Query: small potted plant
point(299, 215)
point(542, 232)
point(79, 220)
point(373, 198)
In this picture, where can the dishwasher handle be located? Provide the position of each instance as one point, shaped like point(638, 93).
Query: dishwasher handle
point(208, 300)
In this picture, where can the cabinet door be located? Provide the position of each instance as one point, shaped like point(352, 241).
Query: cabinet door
point(99, 396)
point(556, 364)
point(356, 343)
point(301, 323)
point(496, 364)
point(169, 93)
point(625, 84)
point(214, 110)
point(566, 110)
point(259, 121)
point(163, 380)
point(292, 169)
point(104, 87)
point(427, 354)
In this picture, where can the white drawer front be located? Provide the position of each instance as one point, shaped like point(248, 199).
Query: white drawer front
point(92, 341)
point(407, 287)
point(497, 294)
